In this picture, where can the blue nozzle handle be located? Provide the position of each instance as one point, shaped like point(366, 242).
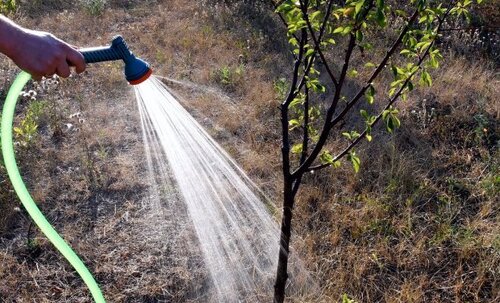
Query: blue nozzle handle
point(118, 50)
point(100, 54)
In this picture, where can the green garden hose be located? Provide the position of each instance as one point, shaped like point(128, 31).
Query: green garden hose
point(24, 195)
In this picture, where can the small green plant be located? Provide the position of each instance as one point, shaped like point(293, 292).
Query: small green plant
point(102, 152)
point(7, 6)
point(482, 128)
point(94, 7)
point(26, 132)
point(225, 75)
point(37, 108)
point(160, 57)
point(229, 77)
point(443, 233)
point(33, 244)
point(346, 299)
point(239, 70)
point(490, 184)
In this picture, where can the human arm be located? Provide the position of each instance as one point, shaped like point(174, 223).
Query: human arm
point(38, 53)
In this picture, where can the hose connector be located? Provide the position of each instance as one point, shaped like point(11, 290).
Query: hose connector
point(136, 69)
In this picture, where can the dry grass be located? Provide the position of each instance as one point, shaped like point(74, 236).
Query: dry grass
point(419, 223)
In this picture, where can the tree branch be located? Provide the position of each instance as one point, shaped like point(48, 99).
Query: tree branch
point(305, 136)
point(317, 41)
point(284, 108)
point(316, 47)
point(276, 5)
point(363, 134)
point(389, 104)
point(377, 71)
point(326, 127)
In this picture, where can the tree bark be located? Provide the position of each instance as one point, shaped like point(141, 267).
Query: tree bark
point(286, 221)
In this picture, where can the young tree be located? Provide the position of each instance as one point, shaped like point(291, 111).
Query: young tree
point(318, 28)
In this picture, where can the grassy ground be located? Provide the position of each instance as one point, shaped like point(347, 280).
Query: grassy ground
point(419, 224)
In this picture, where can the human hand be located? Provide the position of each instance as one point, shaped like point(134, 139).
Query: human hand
point(42, 54)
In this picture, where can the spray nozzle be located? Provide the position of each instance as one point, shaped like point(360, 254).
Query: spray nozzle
point(136, 70)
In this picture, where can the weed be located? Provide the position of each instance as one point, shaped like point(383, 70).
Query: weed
point(33, 244)
point(443, 233)
point(37, 107)
point(25, 134)
point(346, 299)
point(239, 70)
point(94, 7)
point(225, 75)
point(207, 30)
point(229, 77)
point(466, 238)
point(102, 153)
point(7, 6)
point(491, 185)
point(481, 129)
point(160, 57)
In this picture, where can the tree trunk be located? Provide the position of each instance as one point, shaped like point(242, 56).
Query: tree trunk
point(282, 274)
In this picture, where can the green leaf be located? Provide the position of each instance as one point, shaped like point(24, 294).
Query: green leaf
point(369, 94)
point(299, 99)
point(380, 15)
point(297, 148)
point(315, 15)
point(408, 53)
point(359, 6)
point(352, 135)
point(425, 78)
point(391, 120)
point(353, 73)
point(309, 52)
point(338, 30)
point(410, 86)
point(356, 162)
point(326, 157)
point(423, 45)
point(364, 114)
point(343, 30)
point(396, 121)
point(394, 70)
point(401, 13)
point(294, 123)
point(392, 91)
point(347, 30)
point(359, 36)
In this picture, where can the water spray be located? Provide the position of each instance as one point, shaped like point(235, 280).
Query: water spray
point(136, 71)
